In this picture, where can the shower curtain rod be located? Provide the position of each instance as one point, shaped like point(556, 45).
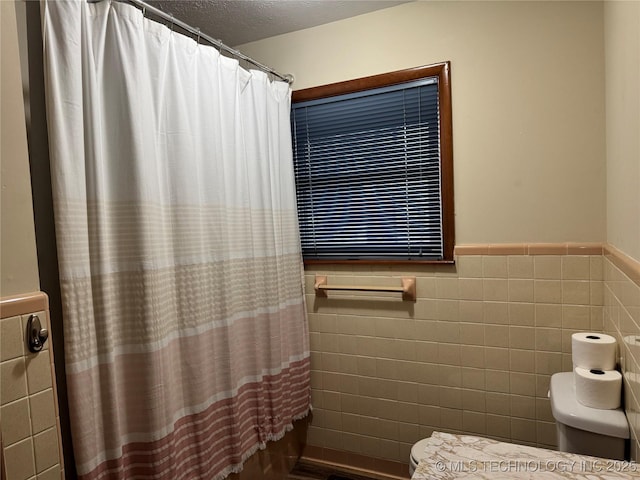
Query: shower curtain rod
point(145, 7)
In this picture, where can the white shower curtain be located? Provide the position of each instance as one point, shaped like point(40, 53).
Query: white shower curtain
point(186, 341)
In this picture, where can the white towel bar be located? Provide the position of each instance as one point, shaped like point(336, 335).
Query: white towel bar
point(408, 288)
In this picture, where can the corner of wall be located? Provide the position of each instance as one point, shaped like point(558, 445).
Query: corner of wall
point(19, 266)
point(621, 318)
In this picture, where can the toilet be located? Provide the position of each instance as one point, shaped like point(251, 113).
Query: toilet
point(582, 430)
point(417, 451)
point(585, 430)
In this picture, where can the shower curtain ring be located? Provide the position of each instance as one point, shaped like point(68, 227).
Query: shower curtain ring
point(198, 35)
point(144, 12)
point(219, 46)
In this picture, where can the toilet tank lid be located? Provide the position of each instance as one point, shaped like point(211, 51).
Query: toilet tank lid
point(566, 409)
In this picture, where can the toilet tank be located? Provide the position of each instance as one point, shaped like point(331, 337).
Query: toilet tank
point(586, 430)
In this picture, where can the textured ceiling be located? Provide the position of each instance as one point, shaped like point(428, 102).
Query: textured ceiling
point(240, 21)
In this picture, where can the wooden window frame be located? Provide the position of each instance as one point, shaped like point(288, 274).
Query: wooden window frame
point(443, 72)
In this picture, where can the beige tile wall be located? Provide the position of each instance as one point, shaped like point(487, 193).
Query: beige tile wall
point(29, 420)
point(473, 354)
point(622, 319)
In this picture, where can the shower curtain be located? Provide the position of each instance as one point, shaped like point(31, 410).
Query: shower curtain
point(186, 339)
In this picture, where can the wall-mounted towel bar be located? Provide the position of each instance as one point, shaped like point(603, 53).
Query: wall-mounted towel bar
point(408, 288)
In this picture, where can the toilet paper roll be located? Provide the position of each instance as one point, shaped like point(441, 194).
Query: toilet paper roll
point(593, 350)
point(598, 388)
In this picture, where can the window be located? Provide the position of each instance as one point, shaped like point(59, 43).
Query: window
point(373, 166)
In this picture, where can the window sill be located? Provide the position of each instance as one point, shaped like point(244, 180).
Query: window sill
point(378, 262)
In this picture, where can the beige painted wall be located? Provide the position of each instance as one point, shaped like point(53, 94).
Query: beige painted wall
point(622, 48)
point(18, 262)
point(528, 104)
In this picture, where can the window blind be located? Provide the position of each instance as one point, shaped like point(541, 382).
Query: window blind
point(368, 176)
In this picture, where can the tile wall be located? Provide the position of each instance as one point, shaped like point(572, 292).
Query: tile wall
point(473, 354)
point(622, 319)
point(29, 420)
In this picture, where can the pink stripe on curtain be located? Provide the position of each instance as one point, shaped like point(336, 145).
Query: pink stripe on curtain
point(186, 374)
point(206, 444)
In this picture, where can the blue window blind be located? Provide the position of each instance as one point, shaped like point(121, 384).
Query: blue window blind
point(368, 174)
